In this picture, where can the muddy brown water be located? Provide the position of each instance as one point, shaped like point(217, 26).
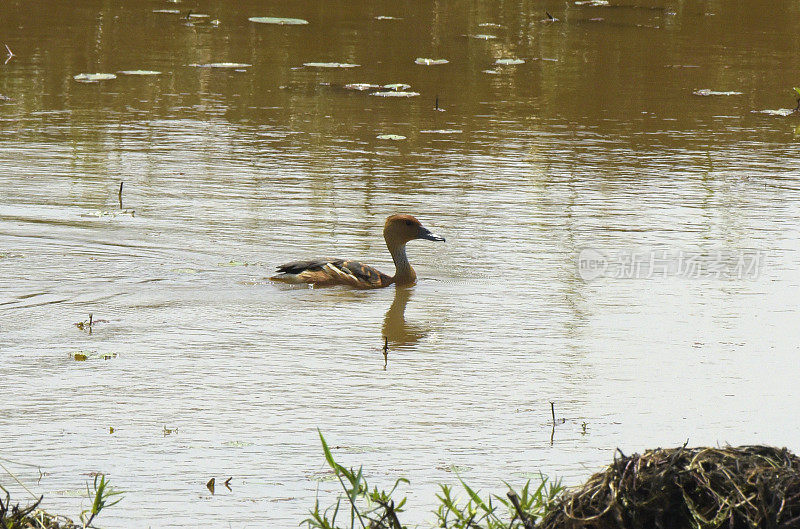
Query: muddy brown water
point(615, 244)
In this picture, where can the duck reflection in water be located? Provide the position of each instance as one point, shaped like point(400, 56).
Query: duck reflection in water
point(397, 333)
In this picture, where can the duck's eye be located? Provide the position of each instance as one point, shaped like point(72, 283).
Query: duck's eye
point(408, 223)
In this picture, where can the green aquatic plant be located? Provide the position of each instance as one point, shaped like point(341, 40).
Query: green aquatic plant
point(100, 496)
point(379, 509)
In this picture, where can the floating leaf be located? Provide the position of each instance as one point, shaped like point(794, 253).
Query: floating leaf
point(279, 21)
point(797, 90)
point(361, 86)
point(707, 92)
point(430, 62)
point(138, 72)
point(82, 356)
point(330, 65)
point(394, 137)
point(395, 94)
point(509, 62)
point(399, 87)
point(234, 65)
point(94, 77)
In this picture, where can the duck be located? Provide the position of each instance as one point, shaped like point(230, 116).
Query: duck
point(398, 230)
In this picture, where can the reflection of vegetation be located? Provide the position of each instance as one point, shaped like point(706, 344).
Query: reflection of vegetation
point(377, 509)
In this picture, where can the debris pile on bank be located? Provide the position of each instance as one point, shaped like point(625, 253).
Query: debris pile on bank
point(727, 488)
point(30, 516)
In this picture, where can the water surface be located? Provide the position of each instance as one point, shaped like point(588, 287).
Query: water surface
point(596, 143)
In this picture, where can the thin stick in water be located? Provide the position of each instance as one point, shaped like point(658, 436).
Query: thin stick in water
point(120, 194)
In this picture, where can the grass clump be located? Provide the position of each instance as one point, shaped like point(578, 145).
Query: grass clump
point(33, 517)
point(360, 507)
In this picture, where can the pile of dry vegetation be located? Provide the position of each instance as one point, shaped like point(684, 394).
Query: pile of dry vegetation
point(752, 487)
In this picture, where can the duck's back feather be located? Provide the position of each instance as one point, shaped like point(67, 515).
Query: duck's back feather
point(332, 272)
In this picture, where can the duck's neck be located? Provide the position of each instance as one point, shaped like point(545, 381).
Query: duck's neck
point(404, 274)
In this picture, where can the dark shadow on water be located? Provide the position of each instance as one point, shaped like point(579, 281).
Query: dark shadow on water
point(401, 335)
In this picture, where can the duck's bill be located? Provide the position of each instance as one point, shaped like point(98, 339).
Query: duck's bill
point(427, 234)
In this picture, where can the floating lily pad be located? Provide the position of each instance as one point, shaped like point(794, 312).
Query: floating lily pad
point(237, 444)
point(707, 92)
point(430, 62)
point(167, 11)
point(779, 112)
point(184, 270)
point(395, 94)
point(138, 72)
point(509, 62)
point(279, 21)
point(232, 65)
point(393, 137)
point(330, 65)
point(442, 131)
point(457, 469)
point(397, 86)
point(94, 77)
point(483, 37)
point(361, 86)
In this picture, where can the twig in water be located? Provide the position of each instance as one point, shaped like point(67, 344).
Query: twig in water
point(553, 412)
point(385, 352)
point(120, 194)
point(527, 522)
point(228, 483)
point(549, 16)
point(436, 103)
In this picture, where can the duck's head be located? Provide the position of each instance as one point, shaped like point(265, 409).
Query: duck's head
point(404, 228)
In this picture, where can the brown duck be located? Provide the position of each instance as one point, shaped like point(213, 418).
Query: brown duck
point(398, 230)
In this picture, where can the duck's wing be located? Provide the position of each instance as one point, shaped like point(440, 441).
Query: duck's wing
point(332, 272)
